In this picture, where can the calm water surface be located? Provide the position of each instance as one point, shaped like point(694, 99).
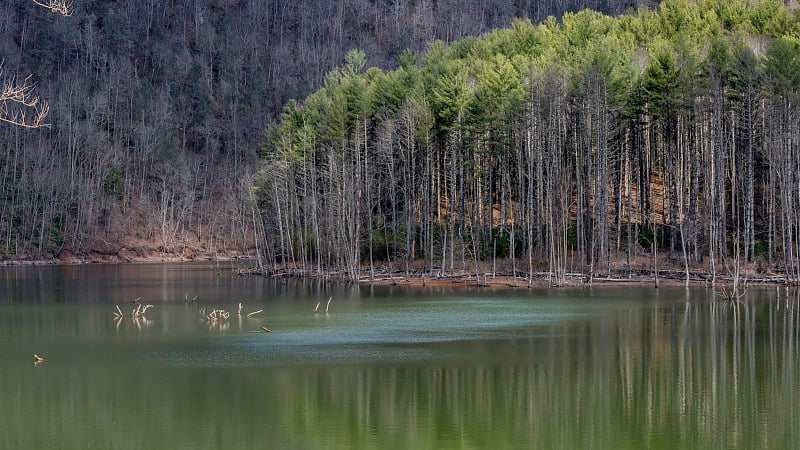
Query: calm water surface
point(388, 367)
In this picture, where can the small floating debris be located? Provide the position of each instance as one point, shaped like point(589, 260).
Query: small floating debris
point(255, 312)
point(217, 319)
point(137, 315)
point(266, 330)
point(37, 358)
point(140, 310)
point(733, 295)
point(218, 315)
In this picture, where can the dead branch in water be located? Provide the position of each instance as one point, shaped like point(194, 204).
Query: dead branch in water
point(137, 315)
point(732, 296)
point(255, 312)
point(217, 319)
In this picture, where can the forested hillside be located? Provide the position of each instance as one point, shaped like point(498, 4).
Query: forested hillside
point(157, 108)
point(591, 144)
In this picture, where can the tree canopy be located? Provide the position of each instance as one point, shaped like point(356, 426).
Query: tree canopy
point(598, 137)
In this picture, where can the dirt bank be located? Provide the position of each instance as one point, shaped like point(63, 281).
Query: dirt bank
point(417, 276)
point(108, 253)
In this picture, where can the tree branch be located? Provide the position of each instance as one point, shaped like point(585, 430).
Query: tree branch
point(63, 7)
point(19, 106)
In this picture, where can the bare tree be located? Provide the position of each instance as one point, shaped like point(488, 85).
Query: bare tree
point(18, 104)
point(63, 7)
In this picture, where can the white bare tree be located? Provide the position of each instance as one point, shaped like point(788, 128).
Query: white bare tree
point(19, 105)
point(63, 7)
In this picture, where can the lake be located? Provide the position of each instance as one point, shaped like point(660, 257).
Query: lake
point(387, 366)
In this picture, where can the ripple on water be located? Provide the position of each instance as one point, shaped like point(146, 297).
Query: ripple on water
point(400, 333)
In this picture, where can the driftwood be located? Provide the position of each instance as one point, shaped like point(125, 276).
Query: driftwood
point(241, 309)
point(526, 279)
point(249, 272)
point(137, 315)
point(140, 310)
point(216, 319)
point(255, 312)
point(732, 295)
point(218, 315)
point(266, 330)
point(136, 312)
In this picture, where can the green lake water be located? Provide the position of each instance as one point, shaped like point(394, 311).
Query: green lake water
point(388, 367)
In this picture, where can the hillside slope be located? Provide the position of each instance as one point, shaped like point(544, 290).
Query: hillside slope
point(158, 108)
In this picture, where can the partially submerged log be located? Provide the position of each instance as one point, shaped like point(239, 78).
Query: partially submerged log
point(218, 315)
point(733, 295)
point(255, 312)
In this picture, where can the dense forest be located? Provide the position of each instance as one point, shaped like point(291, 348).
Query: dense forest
point(157, 108)
point(592, 144)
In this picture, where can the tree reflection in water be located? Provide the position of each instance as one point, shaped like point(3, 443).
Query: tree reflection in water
point(698, 374)
point(684, 372)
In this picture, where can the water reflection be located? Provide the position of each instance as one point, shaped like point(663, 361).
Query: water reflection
point(684, 370)
point(697, 374)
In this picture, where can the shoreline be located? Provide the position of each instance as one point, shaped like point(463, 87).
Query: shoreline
point(506, 281)
point(386, 277)
point(539, 280)
point(98, 258)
